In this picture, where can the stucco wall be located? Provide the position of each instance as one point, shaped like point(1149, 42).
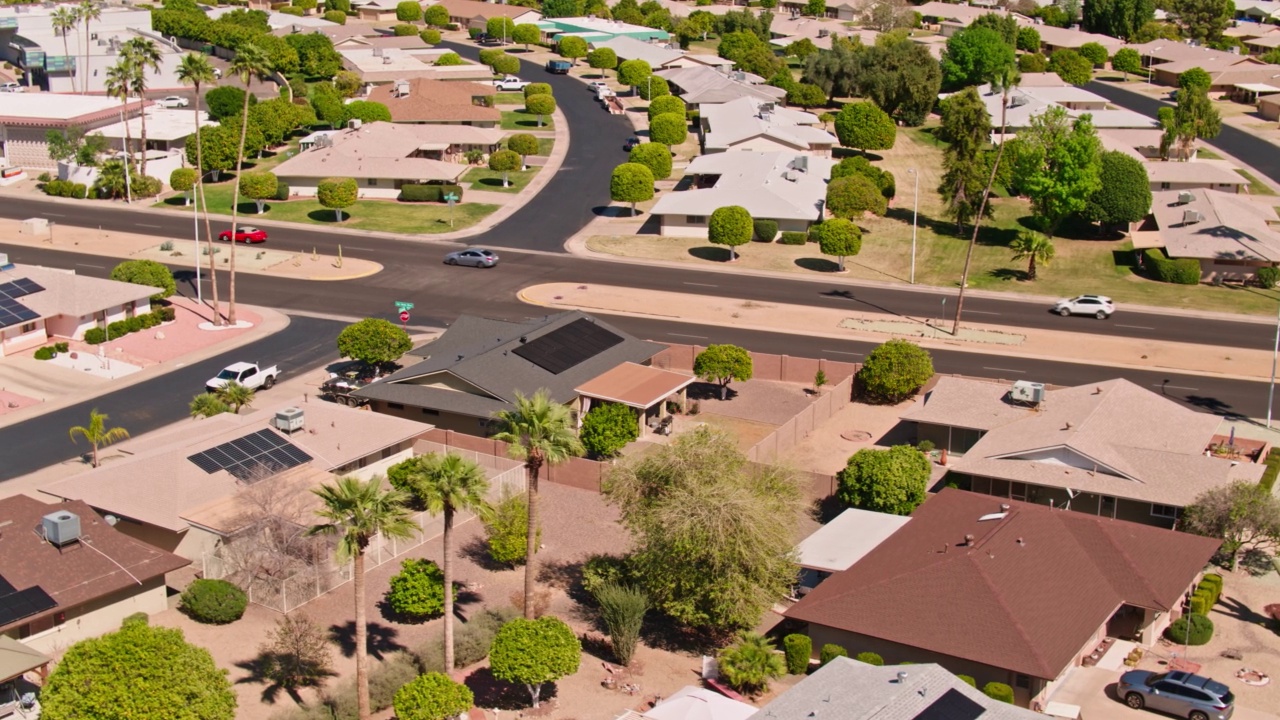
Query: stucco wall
point(443, 420)
point(13, 341)
point(679, 226)
point(99, 617)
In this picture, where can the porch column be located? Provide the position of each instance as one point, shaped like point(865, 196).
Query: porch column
point(584, 406)
point(684, 398)
point(640, 420)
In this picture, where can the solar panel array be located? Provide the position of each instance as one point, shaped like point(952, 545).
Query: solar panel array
point(16, 605)
point(952, 705)
point(568, 346)
point(252, 457)
point(13, 312)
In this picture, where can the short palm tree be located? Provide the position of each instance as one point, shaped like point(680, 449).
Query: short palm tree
point(98, 434)
point(447, 485)
point(751, 663)
point(88, 11)
point(356, 511)
point(1033, 247)
point(196, 70)
point(143, 55)
point(250, 62)
point(540, 432)
point(206, 405)
point(236, 396)
point(119, 84)
point(64, 20)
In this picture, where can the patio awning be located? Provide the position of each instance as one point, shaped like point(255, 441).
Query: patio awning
point(638, 386)
point(17, 659)
point(1260, 88)
point(1146, 239)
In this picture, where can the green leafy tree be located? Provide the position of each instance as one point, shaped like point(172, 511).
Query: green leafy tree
point(524, 145)
point(355, 511)
point(503, 28)
point(863, 126)
point(1029, 40)
point(654, 88)
point(408, 11)
point(534, 652)
point(1057, 165)
point(316, 56)
point(1124, 193)
point(1094, 53)
point(418, 590)
point(368, 111)
point(526, 34)
point(1033, 247)
point(815, 8)
point(1203, 20)
point(572, 47)
point(250, 63)
point(506, 65)
point(235, 396)
point(335, 16)
point(1194, 117)
point(432, 696)
point(505, 161)
point(206, 405)
point(430, 36)
point(225, 101)
point(622, 608)
point(1246, 516)
point(607, 428)
point(138, 671)
point(1030, 63)
point(213, 151)
point(891, 480)
point(1005, 25)
point(722, 364)
point(1127, 61)
point(966, 128)
point(449, 59)
point(653, 156)
point(327, 102)
point(259, 187)
point(838, 237)
point(97, 434)
point(374, 341)
point(1071, 66)
point(860, 165)
point(297, 655)
point(564, 8)
point(536, 89)
point(972, 55)
point(603, 59)
point(147, 272)
point(631, 182)
point(540, 432)
point(337, 194)
point(1117, 18)
point(1195, 79)
point(806, 96)
point(750, 663)
point(730, 226)
point(541, 105)
point(850, 197)
point(666, 104)
point(436, 16)
point(669, 129)
point(894, 371)
point(507, 528)
point(902, 78)
point(712, 531)
point(801, 49)
point(634, 73)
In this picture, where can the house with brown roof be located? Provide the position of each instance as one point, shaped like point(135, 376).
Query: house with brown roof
point(1229, 234)
point(424, 101)
point(476, 14)
point(66, 573)
point(1111, 449)
point(1005, 591)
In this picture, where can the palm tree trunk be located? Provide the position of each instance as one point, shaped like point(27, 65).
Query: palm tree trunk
point(531, 537)
point(95, 454)
point(982, 208)
point(204, 206)
point(235, 205)
point(362, 640)
point(142, 100)
point(1031, 268)
point(128, 156)
point(86, 57)
point(447, 564)
point(66, 52)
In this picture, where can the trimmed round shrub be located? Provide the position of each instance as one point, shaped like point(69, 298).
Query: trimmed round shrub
point(798, 648)
point(404, 30)
point(335, 16)
point(1267, 277)
point(851, 196)
point(537, 89)
point(654, 156)
point(793, 238)
point(146, 272)
point(213, 602)
point(666, 104)
point(764, 230)
point(418, 589)
point(998, 691)
point(895, 371)
point(432, 696)
point(282, 191)
point(44, 353)
point(1190, 629)
point(95, 336)
point(138, 618)
point(430, 36)
point(870, 658)
point(830, 652)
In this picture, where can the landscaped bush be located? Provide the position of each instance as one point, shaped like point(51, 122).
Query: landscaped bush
point(66, 188)
point(998, 691)
point(1200, 602)
point(1267, 276)
point(870, 658)
point(44, 353)
point(507, 530)
point(1200, 630)
point(64, 346)
point(393, 673)
point(1184, 271)
point(894, 371)
point(215, 602)
point(830, 652)
point(794, 238)
point(966, 679)
point(79, 191)
point(335, 16)
point(798, 648)
point(95, 336)
point(428, 193)
point(765, 230)
point(282, 191)
point(601, 569)
point(138, 618)
point(471, 640)
point(167, 313)
point(418, 589)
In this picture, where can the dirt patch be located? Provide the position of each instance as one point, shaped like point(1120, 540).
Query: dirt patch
point(748, 432)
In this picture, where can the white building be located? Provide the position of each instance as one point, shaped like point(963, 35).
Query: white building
point(26, 118)
point(751, 124)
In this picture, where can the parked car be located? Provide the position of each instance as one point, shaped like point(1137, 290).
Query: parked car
point(173, 101)
point(1098, 306)
point(247, 374)
point(245, 234)
point(597, 85)
point(510, 83)
point(1177, 693)
point(630, 143)
point(12, 87)
point(474, 257)
point(558, 67)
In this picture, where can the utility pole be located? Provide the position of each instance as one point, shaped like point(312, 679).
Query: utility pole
point(915, 215)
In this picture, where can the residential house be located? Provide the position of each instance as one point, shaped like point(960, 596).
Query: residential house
point(937, 13)
point(699, 86)
point(412, 43)
point(1161, 51)
point(1143, 141)
point(379, 65)
point(753, 124)
point(786, 187)
point(479, 365)
point(476, 14)
point(1269, 107)
point(852, 690)
point(1245, 83)
point(66, 574)
point(383, 157)
point(594, 29)
point(1026, 103)
point(819, 32)
point(26, 119)
point(278, 21)
point(1111, 449)
point(1053, 39)
point(1205, 174)
point(1004, 591)
point(842, 10)
point(174, 475)
point(167, 133)
point(1261, 45)
point(1260, 11)
point(839, 544)
point(1229, 234)
point(376, 10)
point(39, 304)
point(1225, 69)
point(694, 703)
point(1247, 31)
point(423, 101)
point(659, 56)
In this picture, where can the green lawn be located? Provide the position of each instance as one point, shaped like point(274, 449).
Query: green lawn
point(486, 179)
point(509, 98)
point(380, 215)
point(1256, 186)
point(544, 145)
point(1207, 154)
point(521, 120)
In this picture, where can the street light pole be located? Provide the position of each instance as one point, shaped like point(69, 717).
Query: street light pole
point(1275, 353)
point(195, 225)
point(915, 214)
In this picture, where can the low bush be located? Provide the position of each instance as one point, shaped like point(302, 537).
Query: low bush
point(335, 16)
point(794, 238)
point(1190, 629)
point(1267, 276)
point(830, 652)
point(44, 353)
point(95, 336)
point(601, 569)
point(282, 191)
point(1272, 462)
point(428, 193)
point(44, 177)
point(1184, 271)
point(79, 191)
point(968, 680)
point(418, 589)
point(998, 691)
point(798, 648)
point(214, 602)
point(870, 658)
point(507, 529)
point(471, 640)
point(764, 230)
point(64, 347)
point(167, 313)
point(138, 618)
point(1200, 603)
point(394, 672)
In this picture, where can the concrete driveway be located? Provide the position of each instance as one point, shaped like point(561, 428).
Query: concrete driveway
point(1094, 691)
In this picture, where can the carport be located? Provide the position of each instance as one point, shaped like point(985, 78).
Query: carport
point(643, 388)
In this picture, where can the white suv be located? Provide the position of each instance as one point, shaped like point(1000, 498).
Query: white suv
point(11, 87)
point(173, 101)
point(1098, 306)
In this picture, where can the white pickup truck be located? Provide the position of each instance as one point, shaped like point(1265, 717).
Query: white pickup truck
point(510, 83)
point(247, 374)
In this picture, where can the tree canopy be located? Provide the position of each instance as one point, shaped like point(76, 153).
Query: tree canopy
point(337, 194)
point(863, 126)
point(607, 428)
point(374, 341)
point(603, 59)
point(838, 237)
point(631, 182)
point(1203, 20)
point(1246, 516)
point(1127, 61)
point(1117, 18)
point(894, 371)
point(722, 364)
point(849, 197)
point(634, 72)
point(669, 129)
point(1071, 66)
point(966, 128)
point(1193, 118)
point(972, 56)
point(654, 156)
point(1124, 192)
point(1057, 161)
point(147, 272)
point(432, 696)
point(730, 226)
point(892, 480)
point(572, 47)
point(534, 652)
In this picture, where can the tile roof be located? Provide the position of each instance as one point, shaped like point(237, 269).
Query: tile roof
point(757, 181)
point(639, 386)
point(437, 101)
point(1234, 226)
point(378, 150)
point(1025, 595)
point(740, 120)
point(110, 561)
point(66, 293)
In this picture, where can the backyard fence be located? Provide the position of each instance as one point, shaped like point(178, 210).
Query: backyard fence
point(580, 473)
point(765, 366)
point(791, 433)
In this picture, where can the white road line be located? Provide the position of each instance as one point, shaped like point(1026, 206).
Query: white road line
point(1136, 327)
point(100, 267)
point(55, 214)
point(842, 352)
point(981, 312)
point(698, 337)
point(701, 284)
point(1174, 387)
point(150, 226)
point(1010, 370)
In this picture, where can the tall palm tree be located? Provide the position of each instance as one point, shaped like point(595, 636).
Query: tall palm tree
point(447, 485)
point(196, 70)
point(119, 84)
point(87, 11)
point(250, 62)
point(356, 511)
point(1032, 246)
point(540, 432)
point(143, 55)
point(97, 433)
point(1003, 80)
point(64, 20)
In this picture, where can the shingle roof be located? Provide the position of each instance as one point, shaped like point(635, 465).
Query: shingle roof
point(66, 293)
point(437, 101)
point(1204, 172)
point(629, 48)
point(1025, 595)
point(1233, 226)
point(757, 181)
point(377, 150)
point(700, 85)
point(475, 8)
point(737, 121)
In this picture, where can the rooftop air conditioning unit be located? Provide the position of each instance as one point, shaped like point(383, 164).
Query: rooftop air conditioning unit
point(1186, 196)
point(740, 76)
point(61, 527)
point(354, 123)
point(789, 176)
point(1028, 392)
point(402, 88)
point(4, 261)
point(1191, 217)
point(377, 52)
point(801, 163)
point(289, 419)
point(387, 60)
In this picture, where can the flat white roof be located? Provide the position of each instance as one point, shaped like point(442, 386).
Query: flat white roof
point(844, 541)
point(35, 106)
point(162, 124)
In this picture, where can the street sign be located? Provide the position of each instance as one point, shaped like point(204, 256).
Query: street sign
point(404, 316)
point(451, 199)
point(404, 306)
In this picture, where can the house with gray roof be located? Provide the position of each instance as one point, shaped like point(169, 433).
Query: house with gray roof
point(753, 124)
point(1229, 234)
point(660, 56)
point(479, 366)
point(701, 85)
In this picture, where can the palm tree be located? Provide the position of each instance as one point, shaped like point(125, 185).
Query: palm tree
point(357, 510)
point(540, 432)
point(119, 84)
point(143, 55)
point(64, 20)
point(196, 70)
point(235, 395)
point(250, 62)
point(98, 434)
point(447, 485)
point(206, 405)
point(87, 11)
point(1032, 246)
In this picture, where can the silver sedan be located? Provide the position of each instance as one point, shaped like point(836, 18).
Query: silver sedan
point(474, 257)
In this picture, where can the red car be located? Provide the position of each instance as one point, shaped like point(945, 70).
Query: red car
point(245, 234)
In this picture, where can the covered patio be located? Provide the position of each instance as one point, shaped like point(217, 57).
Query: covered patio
point(17, 695)
point(643, 388)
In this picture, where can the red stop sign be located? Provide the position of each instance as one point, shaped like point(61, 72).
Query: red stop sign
point(404, 316)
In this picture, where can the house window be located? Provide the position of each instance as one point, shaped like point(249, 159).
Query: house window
point(696, 219)
point(373, 182)
point(395, 406)
point(1164, 511)
point(1164, 186)
point(28, 328)
point(429, 411)
point(1022, 681)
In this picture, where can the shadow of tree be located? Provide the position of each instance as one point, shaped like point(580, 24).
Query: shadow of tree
point(1007, 274)
point(490, 692)
point(711, 253)
point(597, 645)
point(824, 510)
point(709, 391)
point(477, 551)
point(818, 265)
point(615, 211)
point(326, 215)
point(663, 633)
point(259, 669)
point(382, 639)
point(1234, 608)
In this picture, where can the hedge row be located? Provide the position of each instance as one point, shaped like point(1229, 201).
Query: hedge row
point(1184, 271)
point(66, 188)
point(120, 328)
point(1273, 468)
point(428, 193)
point(49, 351)
point(794, 238)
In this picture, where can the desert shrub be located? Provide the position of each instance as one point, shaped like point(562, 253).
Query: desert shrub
point(282, 191)
point(167, 313)
point(418, 589)
point(870, 658)
point(622, 608)
point(794, 238)
point(64, 346)
point(471, 640)
point(830, 652)
point(95, 336)
point(998, 691)
point(507, 530)
point(1184, 271)
point(765, 230)
point(214, 602)
point(797, 648)
point(1190, 629)
point(1267, 276)
point(600, 570)
point(44, 353)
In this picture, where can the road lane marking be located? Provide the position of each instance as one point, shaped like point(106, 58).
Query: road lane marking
point(981, 312)
point(701, 284)
point(842, 352)
point(1136, 327)
point(698, 337)
point(150, 226)
point(55, 214)
point(1020, 372)
point(1173, 387)
point(100, 267)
